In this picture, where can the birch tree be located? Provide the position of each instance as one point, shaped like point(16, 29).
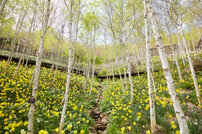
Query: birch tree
point(179, 11)
point(149, 75)
point(169, 79)
point(190, 63)
point(91, 23)
point(171, 44)
point(66, 96)
point(37, 72)
point(112, 28)
point(27, 38)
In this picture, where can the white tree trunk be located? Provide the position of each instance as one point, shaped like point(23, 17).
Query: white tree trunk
point(190, 64)
point(117, 60)
point(68, 72)
point(177, 106)
point(125, 73)
point(192, 41)
point(174, 54)
point(37, 72)
point(149, 76)
point(105, 37)
point(113, 72)
point(129, 75)
point(93, 68)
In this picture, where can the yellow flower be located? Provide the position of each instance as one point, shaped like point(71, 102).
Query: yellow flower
point(130, 111)
point(122, 129)
point(1, 115)
point(129, 128)
point(56, 113)
point(170, 116)
point(6, 119)
point(43, 132)
point(75, 132)
point(62, 132)
point(75, 108)
point(148, 132)
point(82, 131)
point(177, 132)
point(12, 129)
point(134, 123)
point(147, 107)
point(174, 126)
point(56, 130)
point(69, 127)
point(84, 119)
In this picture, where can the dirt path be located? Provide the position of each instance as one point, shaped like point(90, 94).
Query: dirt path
point(100, 118)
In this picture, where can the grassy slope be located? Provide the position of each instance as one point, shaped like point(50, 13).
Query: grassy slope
point(14, 96)
point(135, 119)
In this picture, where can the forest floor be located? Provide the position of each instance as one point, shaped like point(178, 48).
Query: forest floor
point(108, 111)
point(99, 117)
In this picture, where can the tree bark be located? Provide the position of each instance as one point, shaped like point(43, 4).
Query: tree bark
point(190, 64)
point(174, 54)
point(37, 72)
point(68, 72)
point(93, 68)
point(169, 79)
point(149, 76)
point(129, 75)
point(181, 49)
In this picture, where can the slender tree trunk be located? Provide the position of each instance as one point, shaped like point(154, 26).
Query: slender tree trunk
point(176, 103)
point(181, 49)
point(87, 70)
point(3, 3)
point(37, 72)
point(150, 76)
point(129, 75)
point(192, 41)
point(174, 54)
point(32, 78)
point(138, 72)
point(93, 68)
point(124, 69)
point(25, 44)
point(125, 76)
point(68, 72)
point(190, 64)
point(152, 64)
point(199, 30)
point(56, 67)
point(116, 50)
point(26, 63)
point(113, 71)
point(18, 27)
point(105, 40)
point(119, 70)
